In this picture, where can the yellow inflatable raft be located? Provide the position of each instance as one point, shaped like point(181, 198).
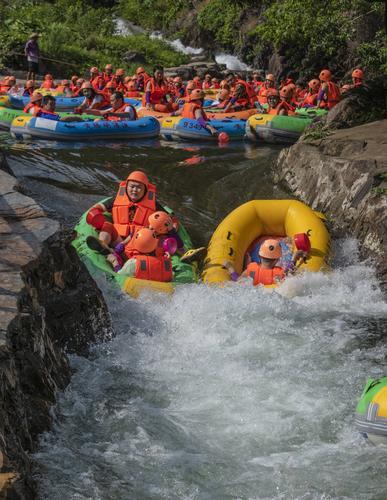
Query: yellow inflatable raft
point(264, 218)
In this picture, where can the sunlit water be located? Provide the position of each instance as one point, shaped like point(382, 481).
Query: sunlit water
point(213, 393)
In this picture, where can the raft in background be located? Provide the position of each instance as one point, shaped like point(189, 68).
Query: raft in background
point(29, 127)
point(371, 411)
point(269, 218)
point(176, 128)
point(61, 103)
point(182, 272)
point(276, 129)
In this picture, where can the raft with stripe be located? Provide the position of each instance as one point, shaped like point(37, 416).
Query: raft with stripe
point(371, 411)
point(250, 224)
point(211, 114)
point(28, 127)
point(276, 129)
point(61, 103)
point(7, 115)
point(182, 272)
point(176, 128)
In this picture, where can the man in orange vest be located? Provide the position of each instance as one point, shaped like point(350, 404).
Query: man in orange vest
point(243, 96)
point(329, 93)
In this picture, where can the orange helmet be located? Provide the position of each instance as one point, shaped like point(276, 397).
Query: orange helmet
point(270, 249)
point(272, 93)
point(270, 77)
point(86, 85)
point(109, 66)
point(160, 222)
point(29, 84)
point(196, 94)
point(94, 70)
point(48, 77)
point(36, 97)
point(131, 85)
point(145, 241)
point(120, 72)
point(177, 79)
point(140, 70)
point(223, 94)
point(110, 85)
point(357, 73)
point(286, 92)
point(138, 176)
point(314, 84)
point(325, 75)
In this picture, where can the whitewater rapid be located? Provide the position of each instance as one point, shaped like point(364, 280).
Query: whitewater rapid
point(226, 393)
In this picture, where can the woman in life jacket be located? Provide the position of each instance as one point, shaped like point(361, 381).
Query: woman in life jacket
point(329, 93)
point(269, 83)
point(310, 99)
point(134, 203)
point(156, 92)
point(119, 110)
point(92, 100)
point(243, 95)
point(48, 82)
point(194, 111)
point(34, 105)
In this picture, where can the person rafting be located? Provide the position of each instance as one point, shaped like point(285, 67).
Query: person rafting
point(215, 84)
point(207, 82)
point(64, 88)
point(269, 83)
point(119, 109)
point(29, 88)
point(35, 104)
point(156, 92)
point(107, 75)
point(275, 105)
point(329, 93)
point(118, 79)
point(194, 111)
point(92, 100)
point(47, 111)
point(93, 74)
point(142, 78)
point(243, 95)
point(310, 99)
point(135, 201)
point(178, 88)
point(48, 82)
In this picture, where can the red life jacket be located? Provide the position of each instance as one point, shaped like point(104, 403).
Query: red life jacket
point(121, 210)
point(153, 268)
point(189, 111)
point(264, 276)
point(122, 109)
point(31, 106)
point(250, 94)
point(158, 92)
point(333, 96)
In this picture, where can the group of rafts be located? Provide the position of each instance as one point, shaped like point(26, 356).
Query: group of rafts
point(237, 125)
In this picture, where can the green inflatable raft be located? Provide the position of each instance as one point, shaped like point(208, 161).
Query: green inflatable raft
point(182, 272)
point(276, 129)
point(371, 411)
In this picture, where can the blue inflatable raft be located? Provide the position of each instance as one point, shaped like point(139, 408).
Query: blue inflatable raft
point(176, 128)
point(27, 127)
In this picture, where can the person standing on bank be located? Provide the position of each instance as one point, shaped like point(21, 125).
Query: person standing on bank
point(31, 51)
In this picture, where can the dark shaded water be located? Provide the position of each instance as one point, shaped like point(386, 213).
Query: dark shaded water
point(232, 393)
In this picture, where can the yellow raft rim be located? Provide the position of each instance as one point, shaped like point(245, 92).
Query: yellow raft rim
point(271, 218)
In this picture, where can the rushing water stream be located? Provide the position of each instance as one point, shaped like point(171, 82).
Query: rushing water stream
point(233, 393)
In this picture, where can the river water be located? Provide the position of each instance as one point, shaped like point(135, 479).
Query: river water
point(233, 393)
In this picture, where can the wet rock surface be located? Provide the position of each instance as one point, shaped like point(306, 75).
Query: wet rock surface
point(344, 175)
point(49, 306)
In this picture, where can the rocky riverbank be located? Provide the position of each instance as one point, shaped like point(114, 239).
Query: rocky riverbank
point(49, 306)
point(344, 175)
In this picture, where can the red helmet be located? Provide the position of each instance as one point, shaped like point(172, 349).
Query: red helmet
point(94, 70)
point(270, 249)
point(325, 75)
point(357, 73)
point(138, 176)
point(314, 84)
point(120, 72)
point(160, 222)
point(145, 241)
point(196, 94)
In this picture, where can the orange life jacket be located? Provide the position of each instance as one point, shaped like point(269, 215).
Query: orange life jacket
point(189, 109)
point(122, 109)
point(282, 105)
point(31, 108)
point(264, 276)
point(48, 84)
point(153, 268)
point(158, 92)
point(121, 210)
point(250, 94)
point(262, 94)
point(310, 100)
point(333, 96)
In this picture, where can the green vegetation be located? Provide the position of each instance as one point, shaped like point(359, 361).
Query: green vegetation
point(223, 27)
point(77, 33)
point(153, 14)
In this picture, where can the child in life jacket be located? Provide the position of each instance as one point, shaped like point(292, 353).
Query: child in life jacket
point(166, 230)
